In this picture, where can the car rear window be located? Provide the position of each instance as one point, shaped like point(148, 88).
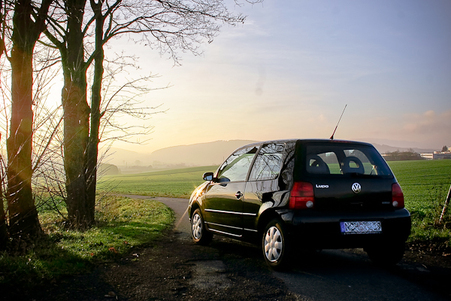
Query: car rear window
point(342, 159)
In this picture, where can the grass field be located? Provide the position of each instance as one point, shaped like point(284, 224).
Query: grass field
point(169, 183)
point(425, 185)
point(422, 180)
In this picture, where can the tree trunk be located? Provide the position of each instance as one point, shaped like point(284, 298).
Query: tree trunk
point(3, 226)
point(3, 229)
point(96, 99)
point(75, 142)
point(23, 217)
point(76, 119)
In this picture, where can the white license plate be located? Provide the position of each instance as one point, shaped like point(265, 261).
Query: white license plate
point(361, 227)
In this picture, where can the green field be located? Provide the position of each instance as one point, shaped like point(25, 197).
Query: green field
point(423, 181)
point(168, 183)
point(425, 185)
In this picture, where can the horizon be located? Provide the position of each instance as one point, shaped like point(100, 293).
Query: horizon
point(256, 141)
point(200, 154)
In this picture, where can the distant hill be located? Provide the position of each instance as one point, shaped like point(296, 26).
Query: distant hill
point(382, 148)
point(210, 153)
point(122, 157)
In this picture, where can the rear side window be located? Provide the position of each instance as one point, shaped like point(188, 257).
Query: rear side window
point(345, 159)
point(268, 163)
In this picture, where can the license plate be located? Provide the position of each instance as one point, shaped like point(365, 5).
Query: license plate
point(361, 227)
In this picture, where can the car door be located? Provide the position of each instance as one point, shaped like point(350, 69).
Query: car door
point(223, 205)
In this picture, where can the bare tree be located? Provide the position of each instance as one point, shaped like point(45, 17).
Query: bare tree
point(68, 35)
point(22, 213)
point(28, 23)
point(169, 25)
point(3, 229)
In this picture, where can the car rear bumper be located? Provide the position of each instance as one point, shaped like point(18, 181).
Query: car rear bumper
point(312, 229)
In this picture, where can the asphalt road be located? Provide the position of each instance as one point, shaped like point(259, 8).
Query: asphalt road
point(337, 274)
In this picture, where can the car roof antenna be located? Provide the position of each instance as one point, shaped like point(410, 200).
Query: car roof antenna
point(332, 137)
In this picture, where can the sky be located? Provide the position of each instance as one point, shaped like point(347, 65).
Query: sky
point(292, 67)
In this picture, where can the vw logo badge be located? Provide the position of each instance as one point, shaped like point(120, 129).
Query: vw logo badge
point(356, 188)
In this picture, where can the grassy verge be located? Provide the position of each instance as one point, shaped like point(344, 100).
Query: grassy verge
point(123, 224)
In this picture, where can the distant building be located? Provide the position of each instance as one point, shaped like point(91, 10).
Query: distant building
point(427, 156)
point(442, 155)
point(437, 155)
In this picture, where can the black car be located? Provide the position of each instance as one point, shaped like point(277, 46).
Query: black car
point(310, 194)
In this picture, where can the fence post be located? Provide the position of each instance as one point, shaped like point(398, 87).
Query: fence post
point(445, 206)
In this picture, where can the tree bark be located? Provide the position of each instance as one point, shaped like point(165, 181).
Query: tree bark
point(76, 119)
point(22, 212)
point(96, 98)
point(23, 217)
point(3, 229)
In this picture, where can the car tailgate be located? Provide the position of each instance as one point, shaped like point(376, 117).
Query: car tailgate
point(353, 194)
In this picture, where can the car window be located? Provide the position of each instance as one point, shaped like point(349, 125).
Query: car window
point(323, 163)
point(338, 159)
point(236, 167)
point(268, 162)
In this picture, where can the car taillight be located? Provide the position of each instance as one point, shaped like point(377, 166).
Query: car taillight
point(397, 197)
point(302, 196)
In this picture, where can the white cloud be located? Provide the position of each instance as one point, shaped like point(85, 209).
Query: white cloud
point(429, 123)
point(429, 129)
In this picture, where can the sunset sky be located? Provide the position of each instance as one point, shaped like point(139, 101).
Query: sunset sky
point(291, 68)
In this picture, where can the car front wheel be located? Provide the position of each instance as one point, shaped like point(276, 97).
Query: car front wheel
point(198, 232)
point(274, 245)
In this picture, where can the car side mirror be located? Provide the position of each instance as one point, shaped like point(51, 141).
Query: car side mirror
point(208, 176)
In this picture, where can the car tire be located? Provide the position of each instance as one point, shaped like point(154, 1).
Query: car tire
point(275, 245)
point(386, 254)
point(199, 234)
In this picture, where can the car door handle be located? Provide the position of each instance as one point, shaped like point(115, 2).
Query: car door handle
point(239, 195)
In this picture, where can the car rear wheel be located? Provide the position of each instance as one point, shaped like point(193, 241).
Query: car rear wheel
point(198, 232)
point(274, 245)
point(386, 254)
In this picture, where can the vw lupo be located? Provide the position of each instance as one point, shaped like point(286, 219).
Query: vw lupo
point(311, 194)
